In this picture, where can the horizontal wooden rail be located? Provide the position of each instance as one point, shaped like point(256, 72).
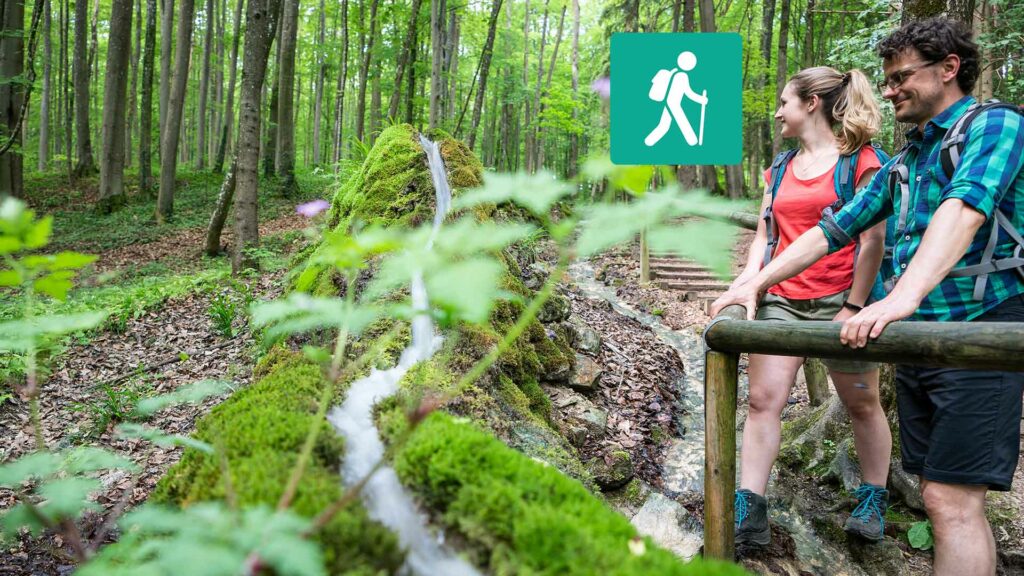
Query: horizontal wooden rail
point(986, 345)
point(744, 220)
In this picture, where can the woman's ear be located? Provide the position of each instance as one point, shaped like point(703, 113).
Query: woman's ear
point(812, 103)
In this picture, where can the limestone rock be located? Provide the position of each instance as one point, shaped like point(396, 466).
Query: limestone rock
point(905, 486)
point(584, 338)
point(665, 521)
point(556, 309)
point(587, 375)
point(535, 275)
point(613, 471)
point(579, 418)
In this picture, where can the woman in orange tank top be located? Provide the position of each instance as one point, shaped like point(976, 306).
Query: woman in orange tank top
point(830, 113)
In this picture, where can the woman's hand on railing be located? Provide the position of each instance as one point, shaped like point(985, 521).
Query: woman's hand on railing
point(746, 295)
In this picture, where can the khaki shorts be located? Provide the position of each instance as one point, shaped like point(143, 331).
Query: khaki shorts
point(775, 307)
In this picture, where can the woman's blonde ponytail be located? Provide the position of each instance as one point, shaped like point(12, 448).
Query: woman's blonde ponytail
point(847, 102)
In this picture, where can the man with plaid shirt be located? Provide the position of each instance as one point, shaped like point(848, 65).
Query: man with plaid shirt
point(959, 429)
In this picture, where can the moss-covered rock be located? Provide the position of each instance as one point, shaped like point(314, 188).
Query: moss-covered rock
point(261, 430)
point(522, 517)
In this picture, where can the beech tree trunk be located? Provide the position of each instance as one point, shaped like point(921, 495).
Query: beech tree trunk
point(270, 144)
point(44, 99)
point(166, 49)
point(229, 110)
point(83, 145)
point(111, 193)
point(286, 97)
point(146, 112)
point(404, 57)
point(170, 137)
point(261, 21)
point(204, 89)
point(485, 67)
point(364, 71)
point(339, 101)
point(437, 46)
point(12, 56)
point(781, 71)
point(133, 88)
point(321, 74)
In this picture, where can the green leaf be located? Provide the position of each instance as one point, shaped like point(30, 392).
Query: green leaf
point(535, 192)
point(466, 290)
point(707, 242)
point(301, 312)
point(920, 535)
point(350, 251)
point(607, 225)
point(188, 394)
point(20, 335)
point(92, 459)
point(56, 284)
point(9, 245)
point(34, 465)
point(68, 497)
point(71, 260)
point(18, 518)
point(39, 234)
point(10, 278)
point(157, 437)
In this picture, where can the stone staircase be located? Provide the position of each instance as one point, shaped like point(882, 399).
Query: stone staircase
point(693, 281)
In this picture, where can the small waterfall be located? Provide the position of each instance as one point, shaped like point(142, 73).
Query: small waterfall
point(384, 496)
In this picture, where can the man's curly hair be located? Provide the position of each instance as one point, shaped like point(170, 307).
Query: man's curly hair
point(936, 38)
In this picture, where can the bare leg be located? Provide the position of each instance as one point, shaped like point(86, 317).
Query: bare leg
point(771, 378)
point(963, 537)
point(660, 129)
point(871, 434)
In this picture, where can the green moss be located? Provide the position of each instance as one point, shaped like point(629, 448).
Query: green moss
point(261, 430)
point(520, 516)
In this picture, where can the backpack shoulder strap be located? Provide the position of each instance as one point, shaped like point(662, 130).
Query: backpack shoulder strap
point(778, 169)
point(846, 172)
point(955, 138)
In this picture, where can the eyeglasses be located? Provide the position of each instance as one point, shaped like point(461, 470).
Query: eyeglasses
point(897, 78)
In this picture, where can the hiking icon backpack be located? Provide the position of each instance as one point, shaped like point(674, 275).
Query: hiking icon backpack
point(660, 84)
point(844, 182)
point(952, 148)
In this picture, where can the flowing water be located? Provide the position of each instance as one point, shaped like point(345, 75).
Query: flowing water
point(385, 498)
point(683, 466)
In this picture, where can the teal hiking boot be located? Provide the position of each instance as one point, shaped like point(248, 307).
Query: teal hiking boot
point(868, 519)
point(751, 519)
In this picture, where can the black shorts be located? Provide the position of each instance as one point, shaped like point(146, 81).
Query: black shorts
point(962, 426)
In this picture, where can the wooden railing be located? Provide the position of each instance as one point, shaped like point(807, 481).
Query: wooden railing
point(985, 345)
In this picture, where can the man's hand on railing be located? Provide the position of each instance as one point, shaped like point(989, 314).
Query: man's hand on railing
point(869, 322)
point(746, 295)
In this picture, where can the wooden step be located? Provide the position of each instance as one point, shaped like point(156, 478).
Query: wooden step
point(688, 268)
point(693, 286)
point(684, 276)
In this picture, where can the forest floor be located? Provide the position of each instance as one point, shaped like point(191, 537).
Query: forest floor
point(163, 296)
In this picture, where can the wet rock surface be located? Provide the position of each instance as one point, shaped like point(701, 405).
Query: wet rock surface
point(670, 525)
point(613, 470)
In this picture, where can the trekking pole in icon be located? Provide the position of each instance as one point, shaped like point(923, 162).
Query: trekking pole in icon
point(703, 107)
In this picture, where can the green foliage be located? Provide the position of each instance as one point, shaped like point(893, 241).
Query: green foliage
point(209, 539)
point(520, 514)
point(112, 405)
point(222, 311)
point(920, 535)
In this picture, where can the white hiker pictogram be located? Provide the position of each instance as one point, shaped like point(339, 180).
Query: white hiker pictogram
point(670, 86)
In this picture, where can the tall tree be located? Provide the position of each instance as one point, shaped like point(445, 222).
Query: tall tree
point(170, 137)
point(404, 57)
point(364, 70)
point(270, 142)
point(321, 74)
point(538, 161)
point(166, 49)
point(204, 88)
point(44, 99)
point(781, 70)
point(130, 125)
point(146, 111)
point(261, 20)
point(111, 194)
point(485, 67)
point(437, 44)
point(285, 163)
point(451, 65)
point(86, 165)
point(531, 130)
point(339, 99)
point(229, 111)
point(808, 51)
point(574, 139)
point(12, 55)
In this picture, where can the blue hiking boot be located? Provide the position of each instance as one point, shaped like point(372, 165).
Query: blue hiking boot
point(751, 519)
point(868, 519)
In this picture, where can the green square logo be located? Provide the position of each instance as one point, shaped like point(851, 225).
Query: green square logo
point(676, 98)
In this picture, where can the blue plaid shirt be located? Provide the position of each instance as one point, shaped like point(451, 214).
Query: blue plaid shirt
point(989, 175)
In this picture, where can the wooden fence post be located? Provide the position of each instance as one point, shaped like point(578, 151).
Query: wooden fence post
point(645, 258)
point(720, 381)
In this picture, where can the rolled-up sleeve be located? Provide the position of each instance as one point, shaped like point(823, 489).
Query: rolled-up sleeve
point(870, 206)
point(992, 157)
